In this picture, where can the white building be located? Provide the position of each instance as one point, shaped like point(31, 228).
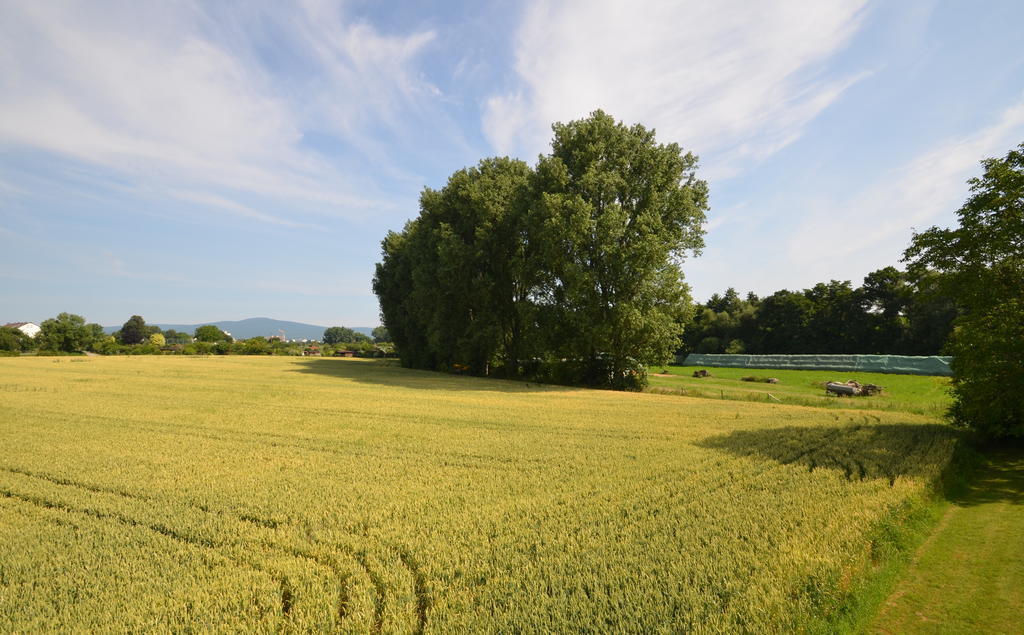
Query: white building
point(27, 328)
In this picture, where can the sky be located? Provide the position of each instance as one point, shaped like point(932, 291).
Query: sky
point(196, 161)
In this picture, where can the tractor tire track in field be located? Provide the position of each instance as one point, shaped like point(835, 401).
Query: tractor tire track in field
point(404, 556)
point(57, 480)
point(287, 591)
point(419, 587)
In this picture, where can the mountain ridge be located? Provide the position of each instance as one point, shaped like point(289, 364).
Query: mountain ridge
point(256, 327)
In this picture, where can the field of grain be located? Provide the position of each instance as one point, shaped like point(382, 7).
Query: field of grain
point(228, 493)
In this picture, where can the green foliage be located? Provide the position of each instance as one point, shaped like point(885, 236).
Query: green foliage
point(573, 264)
point(96, 335)
point(983, 265)
point(735, 347)
point(380, 335)
point(173, 337)
point(783, 319)
point(107, 346)
point(13, 340)
point(710, 344)
point(893, 312)
point(67, 333)
point(454, 285)
point(134, 331)
point(929, 315)
point(618, 212)
point(341, 334)
point(211, 333)
point(252, 346)
point(158, 340)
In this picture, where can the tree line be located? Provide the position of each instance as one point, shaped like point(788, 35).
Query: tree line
point(69, 333)
point(893, 312)
point(566, 272)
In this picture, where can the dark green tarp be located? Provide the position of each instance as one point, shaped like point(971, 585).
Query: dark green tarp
point(894, 364)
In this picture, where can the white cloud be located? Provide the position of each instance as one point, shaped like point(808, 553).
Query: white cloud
point(169, 95)
point(733, 81)
point(10, 190)
point(207, 199)
point(870, 231)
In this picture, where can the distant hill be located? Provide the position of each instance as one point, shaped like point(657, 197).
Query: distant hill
point(254, 327)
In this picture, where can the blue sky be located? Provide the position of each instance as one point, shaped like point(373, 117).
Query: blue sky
point(195, 161)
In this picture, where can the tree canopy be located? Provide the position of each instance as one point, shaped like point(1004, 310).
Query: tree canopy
point(892, 313)
point(571, 268)
point(67, 333)
point(982, 262)
point(341, 334)
point(211, 333)
point(134, 331)
point(13, 340)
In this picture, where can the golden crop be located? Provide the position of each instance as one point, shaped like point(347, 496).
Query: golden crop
point(231, 493)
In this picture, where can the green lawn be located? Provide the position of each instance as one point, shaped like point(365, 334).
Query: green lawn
point(903, 393)
point(968, 577)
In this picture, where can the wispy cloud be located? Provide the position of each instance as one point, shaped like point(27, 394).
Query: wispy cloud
point(7, 189)
point(208, 200)
point(873, 228)
point(734, 81)
point(172, 95)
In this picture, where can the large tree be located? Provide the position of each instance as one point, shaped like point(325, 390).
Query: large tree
point(343, 335)
point(67, 333)
point(619, 211)
point(837, 323)
point(211, 333)
point(930, 314)
point(982, 262)
point(13, 340)
point(134, 331)
point(454, 286)
point(577, 260)
point(885, 297)
point(783, 321)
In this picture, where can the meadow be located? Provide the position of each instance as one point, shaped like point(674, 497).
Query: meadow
point(267, 494)
point(916, 394)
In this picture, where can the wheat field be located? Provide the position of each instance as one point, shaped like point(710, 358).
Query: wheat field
point(269, 494)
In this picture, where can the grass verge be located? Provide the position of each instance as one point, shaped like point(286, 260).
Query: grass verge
point(969, 575)
point(893, 542)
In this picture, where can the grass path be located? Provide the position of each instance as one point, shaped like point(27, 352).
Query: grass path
point(968, 577)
